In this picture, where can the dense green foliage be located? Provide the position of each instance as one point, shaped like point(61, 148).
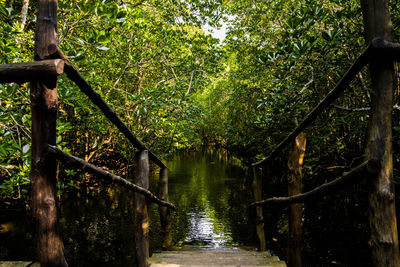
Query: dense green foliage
point(15, 46)
point(147, 60)
point(279, 71)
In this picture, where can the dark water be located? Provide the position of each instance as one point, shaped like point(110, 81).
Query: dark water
point(211, 192)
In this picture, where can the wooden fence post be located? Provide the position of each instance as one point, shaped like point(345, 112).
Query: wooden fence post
point(384, 241)
point(141, 223)
point(165, 212)
point(257, 192)
point(295, 163)
point(43, 168)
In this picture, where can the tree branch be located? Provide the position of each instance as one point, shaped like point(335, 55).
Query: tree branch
point(138, 4)
point(352, 109)
point(24, 12)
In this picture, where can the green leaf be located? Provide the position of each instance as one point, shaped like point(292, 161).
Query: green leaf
point(103, 48)
point(25, 148)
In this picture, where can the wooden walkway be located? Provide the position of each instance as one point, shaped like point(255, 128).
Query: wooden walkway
point(215, 258)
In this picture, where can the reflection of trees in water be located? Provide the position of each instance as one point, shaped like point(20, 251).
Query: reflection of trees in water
point(215, 195)
point(98, 228)
point(16, 235)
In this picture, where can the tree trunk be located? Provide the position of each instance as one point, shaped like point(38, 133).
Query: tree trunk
point(141, 216)
point(165, 213)
point(43, 169)
point(24, 12)
point(295, 164)
point(257, 192)
point(384, 240)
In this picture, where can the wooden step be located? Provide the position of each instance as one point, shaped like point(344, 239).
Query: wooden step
point(214, 258)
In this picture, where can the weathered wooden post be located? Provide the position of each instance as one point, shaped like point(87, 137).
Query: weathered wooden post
point(165, 212)
point(141, 223)
point(257, 192)
point(31, 71)
point(382, 215)
point(295, 163)
point(43, 169)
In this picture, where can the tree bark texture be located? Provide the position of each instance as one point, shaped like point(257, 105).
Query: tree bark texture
point(366, 169)
point(165, 213)
point(141, 223)
point(257, 192)
point(24, 13)
point(43, 169)
point(295, 164)
point(384, 239)
point(24, 72)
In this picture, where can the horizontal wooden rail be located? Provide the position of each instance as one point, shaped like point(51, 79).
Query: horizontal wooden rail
point(387, 48)
point(26, 72)
point(74, 75)
point(73, 161)
point(367, 168)
point(358, 64)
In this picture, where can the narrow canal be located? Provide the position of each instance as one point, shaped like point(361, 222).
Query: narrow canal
point(211, 191)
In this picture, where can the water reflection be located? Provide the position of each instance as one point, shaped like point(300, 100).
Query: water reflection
point(211, 191)
point(97, 227)
point(203, 232)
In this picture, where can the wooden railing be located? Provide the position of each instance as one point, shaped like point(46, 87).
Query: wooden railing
point(42, 74)
point(42, 70)
point(369, 168)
